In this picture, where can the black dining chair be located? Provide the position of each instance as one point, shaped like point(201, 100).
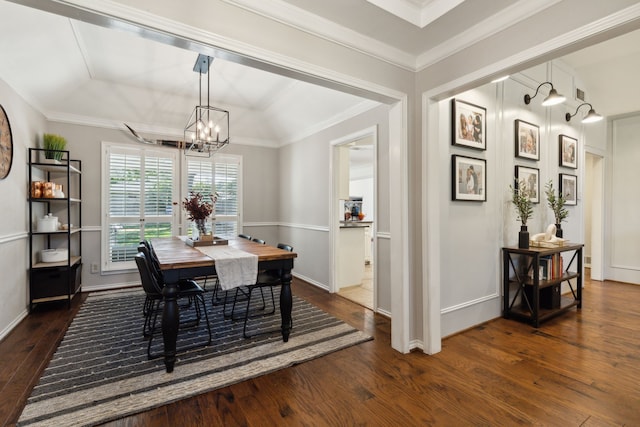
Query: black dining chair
point(153, 290)
point(244, 236)
point(266, 279)
point(262, 242)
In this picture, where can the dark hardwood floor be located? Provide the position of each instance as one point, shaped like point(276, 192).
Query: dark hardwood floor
point(579, 369)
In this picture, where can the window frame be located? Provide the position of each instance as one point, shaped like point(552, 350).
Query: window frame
point(185, 224)
point(109, 148)
point(179, 222)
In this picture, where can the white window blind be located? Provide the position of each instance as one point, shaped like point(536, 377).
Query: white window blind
point(140, 189)
point(221, 174)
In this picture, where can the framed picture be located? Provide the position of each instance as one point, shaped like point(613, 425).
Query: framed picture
point(468, 178)
point(468, 125)
point(527, 140)
point(530, 178)
point(569, 187)
point(568, 151)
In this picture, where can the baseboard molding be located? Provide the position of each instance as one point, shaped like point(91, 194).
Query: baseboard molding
point(109, 287)
point(13, 324)
point(311, 281)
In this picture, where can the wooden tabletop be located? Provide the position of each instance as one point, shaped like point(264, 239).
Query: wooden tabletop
point(174, 253)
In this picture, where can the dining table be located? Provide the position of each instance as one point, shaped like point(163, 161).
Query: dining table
point(178, 261)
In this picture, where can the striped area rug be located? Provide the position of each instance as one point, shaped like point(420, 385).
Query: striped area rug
point(100, 371)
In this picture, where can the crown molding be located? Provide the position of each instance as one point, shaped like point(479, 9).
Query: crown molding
point(507, 17)
point(310, 23)
point(417, 12)
point(361, 107)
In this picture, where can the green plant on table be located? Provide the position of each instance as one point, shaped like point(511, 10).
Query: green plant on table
point(556, 203)
point(521, 201)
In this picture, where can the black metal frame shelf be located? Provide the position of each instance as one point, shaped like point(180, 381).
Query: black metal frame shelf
point(521, 270)
point(55, 281)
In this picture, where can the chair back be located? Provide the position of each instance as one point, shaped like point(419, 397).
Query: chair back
point(278, 272)
point(285, 247)
point(154, 266)
point(149, 282)
point(244, 236)
point(262, 242)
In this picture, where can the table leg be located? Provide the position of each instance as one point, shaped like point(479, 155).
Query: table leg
point(170, 324)
point(286, 304)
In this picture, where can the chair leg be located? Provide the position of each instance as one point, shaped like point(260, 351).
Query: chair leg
point(206, 316)
point(215, 297)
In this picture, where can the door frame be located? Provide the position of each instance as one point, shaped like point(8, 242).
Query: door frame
point(334, 206)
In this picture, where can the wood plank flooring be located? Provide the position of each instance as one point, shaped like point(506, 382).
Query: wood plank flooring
point(579, 369)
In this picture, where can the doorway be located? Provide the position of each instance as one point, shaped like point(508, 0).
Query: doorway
point(353, 217)
point(594, 214)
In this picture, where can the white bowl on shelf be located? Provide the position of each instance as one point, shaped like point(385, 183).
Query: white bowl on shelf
point(54, 255)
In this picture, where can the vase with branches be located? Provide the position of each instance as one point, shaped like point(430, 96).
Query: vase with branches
point(524, 210)
point(556, 203)
point(199, 209)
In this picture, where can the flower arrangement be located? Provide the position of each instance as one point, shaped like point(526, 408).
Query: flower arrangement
point(197, 207)
point(522, 202)
point(556, 203)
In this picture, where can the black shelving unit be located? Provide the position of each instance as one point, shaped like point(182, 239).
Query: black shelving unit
point(535, 298)
point(55, 281)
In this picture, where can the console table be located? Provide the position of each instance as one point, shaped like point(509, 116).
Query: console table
point(537, 287)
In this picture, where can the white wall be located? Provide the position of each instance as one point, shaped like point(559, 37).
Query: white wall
point(623, 232)
point(27, 126)
point(473, 233)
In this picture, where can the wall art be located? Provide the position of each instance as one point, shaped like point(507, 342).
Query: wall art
point(527, 140)
point(468, 125)
point(569, 187)
point(468, 178)
point(530, 178)
point(568, 151)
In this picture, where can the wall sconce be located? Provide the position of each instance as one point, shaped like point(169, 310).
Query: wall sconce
point(552, 99)
point(591, 116)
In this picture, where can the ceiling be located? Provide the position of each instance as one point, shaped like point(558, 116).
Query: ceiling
point(77, 72)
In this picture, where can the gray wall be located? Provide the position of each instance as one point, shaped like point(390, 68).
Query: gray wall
point(304, 185)
point(27, 126)
point(260, 170)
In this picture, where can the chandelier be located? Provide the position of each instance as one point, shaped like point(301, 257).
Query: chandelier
point(207, 129)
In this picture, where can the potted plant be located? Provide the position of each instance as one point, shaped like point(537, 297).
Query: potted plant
point(53, 146)
point(556, 203)
point(524, 210)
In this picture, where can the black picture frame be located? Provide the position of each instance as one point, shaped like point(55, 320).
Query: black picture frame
point(569, 188)
point(568, 151)
point(531, 180)
point(527, 140)
point(468, 179)
point(465, 134)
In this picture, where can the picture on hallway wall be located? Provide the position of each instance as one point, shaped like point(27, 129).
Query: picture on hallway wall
point(468, 178)
point(569, 187)
point(530, 178)
point(568, 151)
point(527, 140)
point(468, 125)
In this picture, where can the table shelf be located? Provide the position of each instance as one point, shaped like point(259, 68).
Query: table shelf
point(535, 299)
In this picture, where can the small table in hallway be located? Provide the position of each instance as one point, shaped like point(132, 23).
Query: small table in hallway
point(180, 261)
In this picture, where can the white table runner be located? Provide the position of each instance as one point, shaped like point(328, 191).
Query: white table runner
point(234, 267)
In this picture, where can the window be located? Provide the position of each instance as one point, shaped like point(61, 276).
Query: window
point(221, 173)
point(139, 189)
